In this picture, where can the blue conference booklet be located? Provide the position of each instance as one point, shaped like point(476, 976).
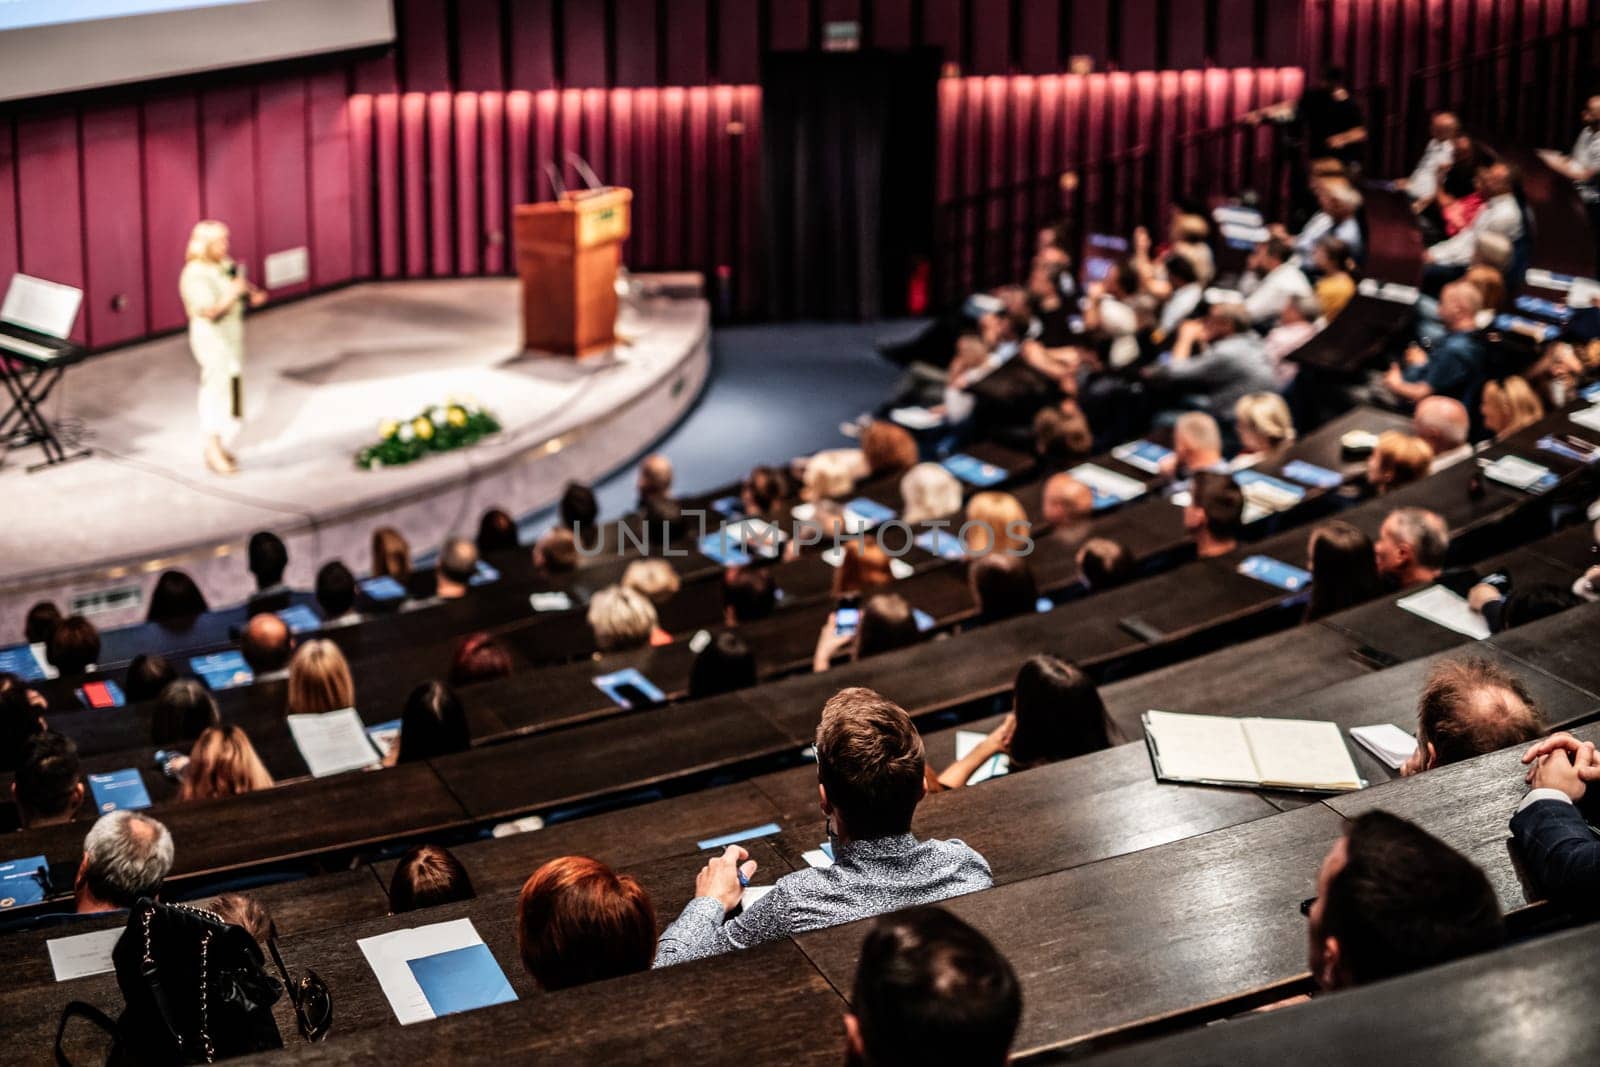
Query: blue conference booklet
point(222, 670)
point(461, 980)
point(1275, 572)
point(118, 791)
point(924, 621)
point(1591, 392)
point(729, 507)
point(870, 511)
point(1312, 475)
point(384, 736)
point(23, 881)
point(722, 547)
point(629, 689)
point(483, 575)
point(765, 830)
point(974, 471)
point(382, 588)
point(941, 543)
point(300, 619)
point(1267, 481)
point(21, 661)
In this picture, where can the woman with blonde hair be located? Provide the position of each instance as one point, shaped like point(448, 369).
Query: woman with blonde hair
point(928, 491)
point(1399, 459)
point(214, 291)
point(996, 522)
point(223, 763)
point(319, 679)
point(1509, 405)
point(1263, 424)
point(831, 475)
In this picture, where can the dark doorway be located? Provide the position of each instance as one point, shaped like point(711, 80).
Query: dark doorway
point(848, 164)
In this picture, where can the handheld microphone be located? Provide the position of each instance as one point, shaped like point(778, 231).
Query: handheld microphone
point(233, 269)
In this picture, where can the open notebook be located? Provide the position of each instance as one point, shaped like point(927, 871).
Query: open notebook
point(1274, 753)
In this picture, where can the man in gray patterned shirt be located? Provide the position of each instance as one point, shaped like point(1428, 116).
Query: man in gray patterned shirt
point(870, 778)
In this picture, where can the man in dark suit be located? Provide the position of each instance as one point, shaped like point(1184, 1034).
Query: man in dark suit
point(1560, 849)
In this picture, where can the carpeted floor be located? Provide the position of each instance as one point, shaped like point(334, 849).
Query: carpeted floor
point(775, 392)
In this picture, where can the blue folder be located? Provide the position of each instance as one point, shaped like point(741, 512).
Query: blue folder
point(1275, 572)
point(974, 471)
point(222, 670)
point(765, 830)
point(22, 881)
point(20, 661)
point(1312, 475)
point(461, 980)
point(941, 543)
point(300, 619)
point(118, 791)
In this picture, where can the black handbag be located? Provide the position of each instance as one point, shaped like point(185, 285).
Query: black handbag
point(195, 990)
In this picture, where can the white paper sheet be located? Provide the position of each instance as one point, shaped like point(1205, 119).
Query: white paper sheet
point(82, 955)
point(1000, 763)
point(388, 956)
point(1301, 753)
point(1588, 418)
point(1109, 483)
point(1200, 747)
point(816, 858)
point(45, 306)
point(1445, 608)
point(1392, 745)
point(333, 742)
point(1515, 472)
point(753, 893)
point(916, 418)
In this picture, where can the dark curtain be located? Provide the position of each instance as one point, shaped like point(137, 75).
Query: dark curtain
point(836, 133)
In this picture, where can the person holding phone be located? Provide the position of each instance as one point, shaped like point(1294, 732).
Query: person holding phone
point(214, 292)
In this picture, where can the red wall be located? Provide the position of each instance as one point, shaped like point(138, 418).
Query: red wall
point(406, 163)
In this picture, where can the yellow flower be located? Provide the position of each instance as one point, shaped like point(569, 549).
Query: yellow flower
point(457, 417)
point(388, 428)
point(422, 426)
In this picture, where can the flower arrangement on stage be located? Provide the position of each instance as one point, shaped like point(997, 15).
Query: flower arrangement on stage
point(438, 428)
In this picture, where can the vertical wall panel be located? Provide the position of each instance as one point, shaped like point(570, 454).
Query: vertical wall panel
point(739, 43)
point(228, 169)
point(647, 180)
point(788, 25)
point(414, 182)
point(424, 45)
point(594, 150)
point(51, 223)
point(478, 46)
point(469, 233)
point(283, 172)
point(328, 112)
point(391, 206)
point(637, 59)
point(533, 58)
point(363, 238)
point(942, 28)
point(620, 130)
point(114, 226)
point(441, 184)
point(1235, 39)
point(1090, 30)
point(991, 37)
point(519, 164)
point(698, 175)
point(1186, 35)
point(671, 221)
point(891, 24)
point(688, 46)
point(8, 200)
point(172, 200)
point(1138, 41)
point(584, 37)
point(491, 171)
point(749, 180)
point(1041, 36)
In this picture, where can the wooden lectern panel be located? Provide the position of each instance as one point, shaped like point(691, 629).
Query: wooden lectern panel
point(568, 252)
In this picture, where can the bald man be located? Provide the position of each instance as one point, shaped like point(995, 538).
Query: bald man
point(655, 477)
point(1438, 154)
point(1443, 422)
point(1469, 707)
point(1066, 501)
point(1458, 363)
point(266, 645)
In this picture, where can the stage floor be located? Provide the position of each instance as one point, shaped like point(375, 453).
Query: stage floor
point(321, 374)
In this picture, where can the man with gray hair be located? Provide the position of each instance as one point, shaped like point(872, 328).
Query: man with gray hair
point(1411, 547)
point(1443, 422)
point(1216, 360)
point(125, 856)
point(1196, 446)
point(458, 562)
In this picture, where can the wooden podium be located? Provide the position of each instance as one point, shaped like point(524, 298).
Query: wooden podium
point(568, 252)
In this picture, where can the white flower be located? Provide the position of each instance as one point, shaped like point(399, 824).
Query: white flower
point(406, 432)
point(437, 415)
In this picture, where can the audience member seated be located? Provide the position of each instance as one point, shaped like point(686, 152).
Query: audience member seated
point(870, 780)
point(1491, 258)
point(995, 524)
point(862, 566)
point(1338, 207)
point(889, 450)
point(662, 521)
point(1443, 422)
point(1501, 214)
point(223, 763)
point(1215, 361)
point(247, 913)
point(148, 674)
point(764, 492)
point(1002, 587)
point(185, 710)
point(930, 989)
point(622, 620)
point(458, 562)
point(1103, 564)
point(885, 624)
point(555, 553)
point(336, 595)
point(1509, 405)
point(928, 491)
point(1187, 293)
point(480, 657)
point(1273, 279)
point(724, 665)
point(1411, 547)
point(391, 555)
point(654, 481)
point(175, 598)
point(1392, 899)
point(831, 475)
point(1344, 569)
point(1196, 446)
point(1555, 841)
point(1214, 516)
point(266, 646)
point(1066, 506)
point(48, 786)
point(433, 723)
point(74, 646)
point(1506, 611)
point(319, 679)
point(1437, 155)
point(1297, 325)
point(578, 511)
point(425, 877)
point(656, 580)
point(1061, 435)
point(1056, 714)
point(1264, 426)
point(579, 921)
point(1109, 312)
point(268, 558)
point(1455, 367)
point(497, 532)
point(20, 720)
point(749, 594)
point(126, 856)
point(1334, 267)
point(41, 621)
point(1399, 459)
point(1470, 707)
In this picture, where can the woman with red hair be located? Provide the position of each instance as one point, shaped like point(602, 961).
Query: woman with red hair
point(579, 921)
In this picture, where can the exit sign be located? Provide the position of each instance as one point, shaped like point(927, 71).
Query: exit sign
point(841, 36)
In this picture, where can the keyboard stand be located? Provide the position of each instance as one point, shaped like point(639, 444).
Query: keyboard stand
point(29, 385)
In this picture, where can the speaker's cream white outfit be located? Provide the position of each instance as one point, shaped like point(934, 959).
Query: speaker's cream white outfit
point(217, 344)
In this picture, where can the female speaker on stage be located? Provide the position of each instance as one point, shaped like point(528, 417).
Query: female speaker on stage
point(214, 292)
